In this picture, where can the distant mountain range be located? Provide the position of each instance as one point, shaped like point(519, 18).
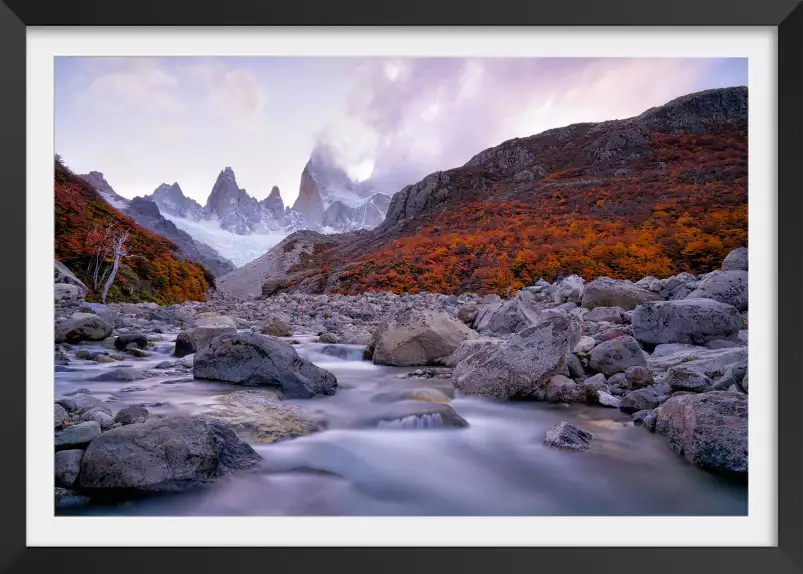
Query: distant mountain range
point(656, 194)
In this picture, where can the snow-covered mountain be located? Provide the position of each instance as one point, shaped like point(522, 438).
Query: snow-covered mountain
point(172, 201)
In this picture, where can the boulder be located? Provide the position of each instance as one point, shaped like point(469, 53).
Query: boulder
point(568, 290)
point(122, 342)
point(561, 389)
point(418, 337)
point(684, 378)
point(710, 429)
point(77, 436)
point(86, 327)
point(163, 455)
point(468, 348)
point(616, 356)
point(521, 365)
point(724, 286)
point(67, 466)
point(512, 316)
point(606, 292)
point(131, 414)
point(329, 338)
point(60, 416)
point(415, 414)
point(256, 360)
point(690, 321)
point(575, 366)
point(607, 314)
point(259, 417)
point(638, 377)
point(277, 328)
point(608, 400)
point(566, 435)
point(81, 403)
point(63, 276)
point(585, 345)
point(194, 339)
point(736, 260)
point(638, 400)
point(66, 293)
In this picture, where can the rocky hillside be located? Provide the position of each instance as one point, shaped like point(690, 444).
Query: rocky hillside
point(657, 194)
point(153, 269)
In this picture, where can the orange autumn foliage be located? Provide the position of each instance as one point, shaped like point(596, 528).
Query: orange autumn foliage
point(152, 270)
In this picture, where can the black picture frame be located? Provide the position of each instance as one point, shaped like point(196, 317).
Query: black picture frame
point(786, 15)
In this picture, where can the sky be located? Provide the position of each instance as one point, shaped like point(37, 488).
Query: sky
point(147, 121)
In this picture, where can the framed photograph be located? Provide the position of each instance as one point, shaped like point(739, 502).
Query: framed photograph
point(404, 285)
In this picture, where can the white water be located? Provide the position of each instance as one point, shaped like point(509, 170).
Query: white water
point(415, 466)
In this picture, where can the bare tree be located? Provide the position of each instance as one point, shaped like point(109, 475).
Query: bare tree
point(99, 240)
point(119, 251)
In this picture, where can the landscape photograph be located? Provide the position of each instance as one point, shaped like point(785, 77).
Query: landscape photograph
point(400, 286)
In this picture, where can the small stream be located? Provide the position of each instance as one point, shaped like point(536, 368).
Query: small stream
point(496, 466)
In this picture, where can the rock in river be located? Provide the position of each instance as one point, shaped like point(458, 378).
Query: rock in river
point(256, 360)
point(163, 455)
point(566, 435)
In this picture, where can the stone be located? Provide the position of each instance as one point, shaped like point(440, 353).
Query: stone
point(468, 314)
point(63, 276)
point(427, 395)
point(606, 292)
point(259, 417)
point(194, 339)
point(616, 356)
point(164, 455)
point(101, 358)
point(67, 498)
point(66, 293)
point(607, 314)
point(690, 321)
point(684, 378)
point(277, 328)
point(120, 375)
point(736, 260)
point(330, 338)
point(521, 365)
point(638, 400)
point(409, 415)
point(585, 345)
point(468, 348)
point(561, 389)
point(77, 436)
point(131, 414)
point(511, 316)
point(638, 377)
point(608, 400)
point(568, 436)
point(256, 360)
point(81, 403)
point(103, 419)
point(724, 286)
point(709, 429)
point(418, 338)
point(568, 290)
point(86, 327)
point(122, 342)
point(576, 369)
point(214, 320)
point(67, 466)
point(60, 416)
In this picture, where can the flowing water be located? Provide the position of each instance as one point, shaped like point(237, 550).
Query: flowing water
point(414, 465)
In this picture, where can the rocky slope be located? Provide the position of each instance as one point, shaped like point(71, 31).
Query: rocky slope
point(663, 192)
point(172, 201)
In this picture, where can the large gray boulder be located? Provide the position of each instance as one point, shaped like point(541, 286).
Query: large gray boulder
point(77, 436)
point(503, 318)
point(736, 260)
point(523, 364)
point(617, 355)
point(66, 293)
point(67, 465)
point(724, 286)
point(710, 429)
point(566, 435)
point(162, 455)
point(63, 276)
point(418, 337)
point(691, 321)
point(86, 327)
point(193, 340)
point(256, 360)
point(606, 292)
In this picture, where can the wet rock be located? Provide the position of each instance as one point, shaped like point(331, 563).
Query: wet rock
point(259, 417)
point(638, 377)
point(691, 321)
point(427, 395)
point(256, 360)
point(81, 403)
point(131, 414)
point(120, 375)
point(330, 338)
point(122, 342)
point(193, 340)
point(418, 337)
point(416, 415)
point(606, 292)
point(101, 358)
point(86, 327)
point(568, 436)
point(67, 466)
point(521, 365)
point(163, 455)
point(77, 436)
point(66, 498)
point(709, 429)
point(617, 355)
